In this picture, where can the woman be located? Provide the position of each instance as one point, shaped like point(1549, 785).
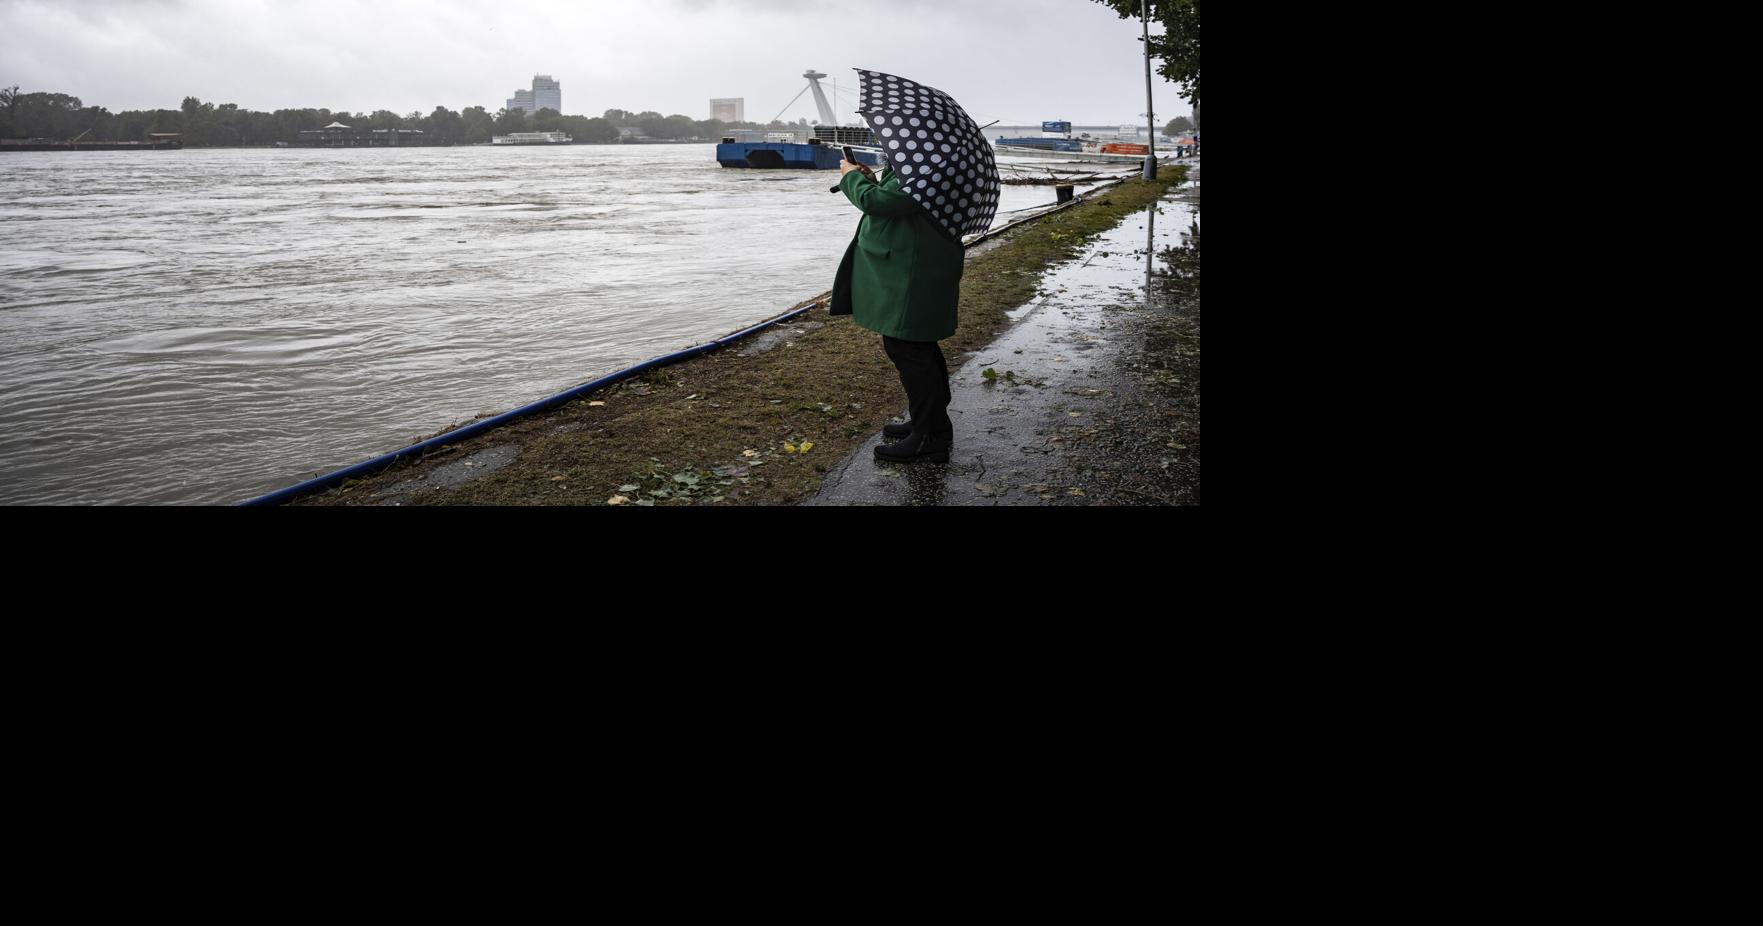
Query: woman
point(901, 278)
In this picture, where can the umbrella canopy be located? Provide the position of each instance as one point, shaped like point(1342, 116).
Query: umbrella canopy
point(944, 161)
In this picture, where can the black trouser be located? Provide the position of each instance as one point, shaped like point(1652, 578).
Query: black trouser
point(925, 375)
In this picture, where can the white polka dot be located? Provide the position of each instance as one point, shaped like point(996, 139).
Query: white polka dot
point(918, 158)
point(905, 168)
point(912, 144)
point(894, 144)
point(886, 132)
point(915, 121)
point(898, 120)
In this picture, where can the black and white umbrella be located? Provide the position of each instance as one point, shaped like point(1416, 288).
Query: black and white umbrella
point(943, 159)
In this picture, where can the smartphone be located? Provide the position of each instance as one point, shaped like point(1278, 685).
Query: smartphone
point(849, 156)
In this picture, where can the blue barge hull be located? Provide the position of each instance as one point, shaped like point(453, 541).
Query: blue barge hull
point(786, 156)
point(1045, 144)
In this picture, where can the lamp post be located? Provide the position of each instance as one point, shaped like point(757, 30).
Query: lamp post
point(1150, 107)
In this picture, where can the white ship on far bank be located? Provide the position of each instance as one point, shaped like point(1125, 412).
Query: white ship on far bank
point(532, 138)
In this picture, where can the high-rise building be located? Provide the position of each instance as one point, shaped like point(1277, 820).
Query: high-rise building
point(547, 94)
point(730, 110)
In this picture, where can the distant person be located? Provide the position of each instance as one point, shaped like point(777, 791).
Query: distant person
point(901, 278)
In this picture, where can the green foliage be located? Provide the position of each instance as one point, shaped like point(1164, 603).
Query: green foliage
point(1180, 125)
point(1179, 47)
point(61, 117)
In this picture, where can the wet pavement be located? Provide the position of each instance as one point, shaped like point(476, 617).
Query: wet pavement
point(1092, 396)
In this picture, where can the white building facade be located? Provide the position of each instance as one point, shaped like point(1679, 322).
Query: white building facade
point(729, 110)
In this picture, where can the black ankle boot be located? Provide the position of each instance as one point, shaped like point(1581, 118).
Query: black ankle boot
point(915, 448)
point(897, 430)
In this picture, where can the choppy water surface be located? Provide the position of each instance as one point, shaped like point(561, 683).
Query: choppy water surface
point(202, 327)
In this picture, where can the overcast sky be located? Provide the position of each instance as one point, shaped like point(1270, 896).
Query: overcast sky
point(1021, 61)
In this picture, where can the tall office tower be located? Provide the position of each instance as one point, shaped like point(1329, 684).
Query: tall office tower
point(547, 94)
point(523, 99)
point(730, 110)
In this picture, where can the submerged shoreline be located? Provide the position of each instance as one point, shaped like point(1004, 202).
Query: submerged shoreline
point(759, 422)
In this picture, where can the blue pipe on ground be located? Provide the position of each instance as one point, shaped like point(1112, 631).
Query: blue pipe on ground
point(376, 464)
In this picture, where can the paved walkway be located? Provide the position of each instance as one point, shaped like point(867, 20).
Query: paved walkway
point(1095, 398)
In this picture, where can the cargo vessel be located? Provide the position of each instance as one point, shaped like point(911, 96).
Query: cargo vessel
point(155, 142)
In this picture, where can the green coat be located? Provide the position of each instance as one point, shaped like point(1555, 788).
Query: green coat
point(901, 276)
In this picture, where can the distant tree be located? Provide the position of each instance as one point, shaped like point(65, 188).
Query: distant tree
point(191, 106)
point(8, 101)
point(619, 116)
point(598, 131)
point(509, 121)
point(476, 125)
point(1179, 45)
point(1180, 125)
point(446, 126)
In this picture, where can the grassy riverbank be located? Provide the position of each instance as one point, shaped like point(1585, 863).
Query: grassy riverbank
point(750, 424)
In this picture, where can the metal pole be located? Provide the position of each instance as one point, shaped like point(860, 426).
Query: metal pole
point(1150, 110)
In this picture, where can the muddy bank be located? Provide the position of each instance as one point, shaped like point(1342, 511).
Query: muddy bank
point(759, 423)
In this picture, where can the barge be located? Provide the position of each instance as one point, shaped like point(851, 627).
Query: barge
point(819, 150)
point(155, 142)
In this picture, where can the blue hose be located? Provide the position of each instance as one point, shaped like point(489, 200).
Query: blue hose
point(376, 464)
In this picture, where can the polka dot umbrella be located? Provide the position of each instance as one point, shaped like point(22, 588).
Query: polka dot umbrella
point(943, 159)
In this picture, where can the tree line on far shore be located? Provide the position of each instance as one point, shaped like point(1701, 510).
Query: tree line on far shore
point(60, 117)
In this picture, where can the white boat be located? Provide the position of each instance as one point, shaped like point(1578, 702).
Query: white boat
point(532, 138)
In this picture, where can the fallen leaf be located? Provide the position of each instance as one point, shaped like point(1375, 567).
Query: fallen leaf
point(807, 446)
point(618, 500)
point(749, 453)
point(1078, 492)
point(630, 488)
point(559, 478)
point(789, 447)
point(595, 404)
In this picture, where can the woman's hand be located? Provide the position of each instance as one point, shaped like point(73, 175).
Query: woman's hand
point(846, 167)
